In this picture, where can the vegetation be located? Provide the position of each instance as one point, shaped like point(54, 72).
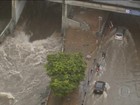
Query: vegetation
point(66, 72)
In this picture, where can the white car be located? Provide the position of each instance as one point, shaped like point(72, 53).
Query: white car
point(119, 34)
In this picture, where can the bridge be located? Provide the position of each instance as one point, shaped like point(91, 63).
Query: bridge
point(125, 6)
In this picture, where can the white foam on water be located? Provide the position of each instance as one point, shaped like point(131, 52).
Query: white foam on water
point(22, 69)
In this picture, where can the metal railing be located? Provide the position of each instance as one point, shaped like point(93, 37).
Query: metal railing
point(8, 28)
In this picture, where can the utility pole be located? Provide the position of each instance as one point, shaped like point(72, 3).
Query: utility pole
point(98, 33)
point(100, 22)
point(63, 18)
point(63, 24)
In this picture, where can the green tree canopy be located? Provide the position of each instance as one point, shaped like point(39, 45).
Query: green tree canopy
point(66, 72)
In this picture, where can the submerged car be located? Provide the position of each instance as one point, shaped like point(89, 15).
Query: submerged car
point(119, 34)
point(99, 87)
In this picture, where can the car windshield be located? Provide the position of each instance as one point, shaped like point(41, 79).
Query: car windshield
point(119, 34)
point(99, 85)
point(120, 31)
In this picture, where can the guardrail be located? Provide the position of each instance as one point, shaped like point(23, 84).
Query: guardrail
point(8, 29)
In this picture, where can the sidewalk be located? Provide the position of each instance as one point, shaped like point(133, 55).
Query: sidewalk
point(86, 42)
point(78, 40)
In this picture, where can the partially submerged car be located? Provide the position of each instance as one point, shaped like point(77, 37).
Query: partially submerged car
point(119, 34)
point(99, 87)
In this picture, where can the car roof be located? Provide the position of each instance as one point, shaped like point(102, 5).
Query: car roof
point(100, 81)
point(99, 84)
point(120, 30)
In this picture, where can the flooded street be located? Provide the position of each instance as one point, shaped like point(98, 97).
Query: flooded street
point(23, 79)
point(132, 23)
point(121, 72)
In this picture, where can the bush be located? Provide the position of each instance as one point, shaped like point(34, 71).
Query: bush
point(66, 72)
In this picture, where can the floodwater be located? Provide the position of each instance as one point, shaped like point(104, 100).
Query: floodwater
point(121, 72)
point(22, 71)
point(23, 79)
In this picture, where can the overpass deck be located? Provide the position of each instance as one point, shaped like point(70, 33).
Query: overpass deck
point(124, 3)
point(126, 6)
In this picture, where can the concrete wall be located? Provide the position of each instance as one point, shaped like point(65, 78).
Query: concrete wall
point(17, 8)
point(19, 5)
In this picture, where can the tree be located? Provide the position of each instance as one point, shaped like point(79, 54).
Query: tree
point(66, 72)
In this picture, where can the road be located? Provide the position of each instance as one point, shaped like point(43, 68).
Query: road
point(132, 23)
point(122, 67)
point(22, 72)
point(121, 73)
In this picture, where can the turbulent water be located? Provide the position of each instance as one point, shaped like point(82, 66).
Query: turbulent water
point(22, 72)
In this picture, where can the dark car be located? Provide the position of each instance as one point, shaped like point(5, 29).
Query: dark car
point(99, 87)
